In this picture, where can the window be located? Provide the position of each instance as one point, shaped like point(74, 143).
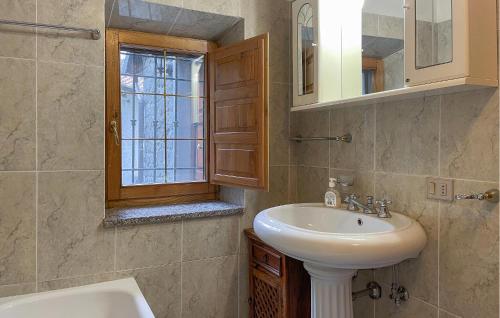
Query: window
point(160, 146)
point(162, 117)
point(372, 75)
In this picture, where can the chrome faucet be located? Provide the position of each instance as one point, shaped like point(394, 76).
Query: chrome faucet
point(383, 206)
point(354, 205)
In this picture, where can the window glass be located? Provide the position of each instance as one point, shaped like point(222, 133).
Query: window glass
point(162, 117)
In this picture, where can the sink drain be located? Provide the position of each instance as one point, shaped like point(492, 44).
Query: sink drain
point(360, 222)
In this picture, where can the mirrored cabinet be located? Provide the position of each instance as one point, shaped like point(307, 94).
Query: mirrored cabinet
point(352, 51)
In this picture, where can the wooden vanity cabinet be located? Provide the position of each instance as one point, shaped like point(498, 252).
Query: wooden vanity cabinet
point(280, 287)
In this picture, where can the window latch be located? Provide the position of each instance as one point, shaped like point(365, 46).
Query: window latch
point(114, 130)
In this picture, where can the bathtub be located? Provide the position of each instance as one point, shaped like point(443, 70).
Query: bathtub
point(115, 299)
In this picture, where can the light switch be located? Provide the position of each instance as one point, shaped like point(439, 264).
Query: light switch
point(440, 189)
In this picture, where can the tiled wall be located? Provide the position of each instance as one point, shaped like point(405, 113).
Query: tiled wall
point(395, 146)
point(52, 178)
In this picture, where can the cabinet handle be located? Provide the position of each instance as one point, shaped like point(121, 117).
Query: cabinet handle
point(266, 258)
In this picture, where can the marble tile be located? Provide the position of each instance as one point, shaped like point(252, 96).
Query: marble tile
point(201, 25)
point(292, 184)
point(424, 52)
point(75, 281)
point(468, 259)
point(445, 314)
point(234, 35)
point(413, 308)
point(161, 286)
point(363, 182)
point(263, 16)
point(408, 136)
point(71, 240)
point(363, 307)
point(408, 194)
point(310, 124)
point(391, 27)
point(209, 288)
point(444, 42)
point(17, 114)
point(18, 41)
point(148, 245)
point(469, 135)
point(243, 286)
point(18, 289)
point(311, 184)
point(17, 228)
point(210, 237)
point(224, 7)
point(70, 117)
point(232, 195)
point(394, 71)
point(279, 112)
point(370, 24)
point(144, 16)
point(76, 47)
point(360, 122)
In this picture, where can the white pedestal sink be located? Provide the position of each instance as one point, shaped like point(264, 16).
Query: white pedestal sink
point(334, 244)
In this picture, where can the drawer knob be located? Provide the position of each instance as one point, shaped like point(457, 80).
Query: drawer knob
point(266, 258)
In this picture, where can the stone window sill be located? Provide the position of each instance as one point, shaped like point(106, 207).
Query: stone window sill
point(168, 213)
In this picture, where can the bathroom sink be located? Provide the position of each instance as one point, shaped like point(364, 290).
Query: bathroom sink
point(338, 238)
point(334, 244)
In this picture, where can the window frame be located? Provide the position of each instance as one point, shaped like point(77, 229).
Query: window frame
point(377, 66)
point(116, 194)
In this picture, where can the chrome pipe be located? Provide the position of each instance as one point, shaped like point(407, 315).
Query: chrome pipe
point(94, 33)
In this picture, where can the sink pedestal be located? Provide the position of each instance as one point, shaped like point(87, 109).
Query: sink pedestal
point(331, 291)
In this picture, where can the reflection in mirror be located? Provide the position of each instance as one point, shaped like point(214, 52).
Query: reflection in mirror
point(305, 50)
point(382, 46)
point(434, 42)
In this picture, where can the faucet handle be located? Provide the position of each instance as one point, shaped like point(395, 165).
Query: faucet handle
point(383, 209)
point(369, 200)
point(350, 197)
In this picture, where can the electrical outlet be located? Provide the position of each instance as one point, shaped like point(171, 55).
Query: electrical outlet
point(440, 189)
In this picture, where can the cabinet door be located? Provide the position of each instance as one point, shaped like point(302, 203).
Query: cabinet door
point(266, 296)
point(436, 40)
point(239, 114)
point(305, 52)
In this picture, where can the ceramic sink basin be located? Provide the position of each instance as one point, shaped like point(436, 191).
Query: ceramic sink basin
point(338, 238)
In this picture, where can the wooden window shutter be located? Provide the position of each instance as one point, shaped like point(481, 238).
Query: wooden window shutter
point(239, 153)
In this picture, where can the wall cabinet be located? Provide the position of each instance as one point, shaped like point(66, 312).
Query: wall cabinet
point(418, 46)
point(449, 39)
point(279, 286)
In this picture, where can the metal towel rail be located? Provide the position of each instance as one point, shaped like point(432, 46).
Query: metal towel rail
point(345, 138)
point(95, 34)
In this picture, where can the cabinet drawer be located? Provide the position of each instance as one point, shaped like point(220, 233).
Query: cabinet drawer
point(267, 259)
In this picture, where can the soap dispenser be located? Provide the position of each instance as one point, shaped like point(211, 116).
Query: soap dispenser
point(332, 196)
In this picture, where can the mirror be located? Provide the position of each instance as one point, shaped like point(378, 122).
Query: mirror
point(434, 32)
point(382, 46)
point(305, 50)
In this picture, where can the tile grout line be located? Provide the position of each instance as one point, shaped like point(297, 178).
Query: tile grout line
point(36, 148)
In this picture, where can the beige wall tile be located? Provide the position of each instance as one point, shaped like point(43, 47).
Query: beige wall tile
point(360, 122)
point(408, 194)
point(468, 259)
point(161, 286)
point(210, 237)
point(469, 136)
point(243, 286)
point(279, 110)
point(363, 307)
point(263, 16)
point(19, 289)
point(75, 281)
point(210, 288)
point(408, 136)
point(148, 245)
point(310, 124)
point(66, 46)
point(17, 114)
point(413, 308)
point(311, 184)
point(17, 41)
point(363, 185)
point(224, 7)
point(444, 314)
point(17, 228)
point(71, 240)
point(70, 117)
